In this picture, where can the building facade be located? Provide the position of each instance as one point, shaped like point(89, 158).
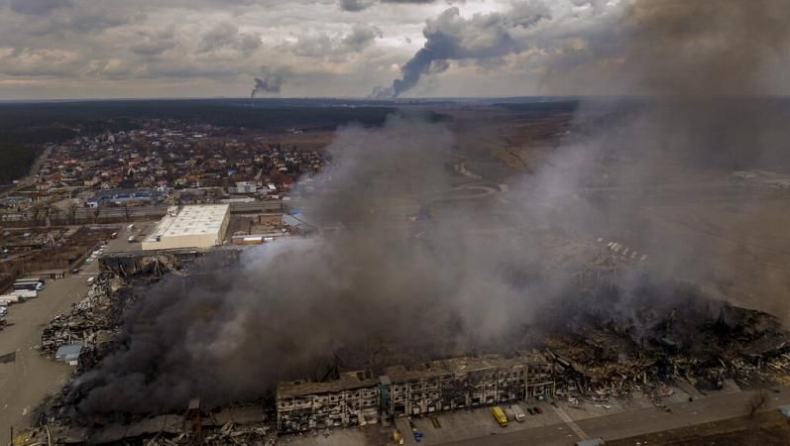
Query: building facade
point(432, 387)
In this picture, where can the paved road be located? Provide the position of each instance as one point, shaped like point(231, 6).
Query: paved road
point(632, 423)
point(25, 382)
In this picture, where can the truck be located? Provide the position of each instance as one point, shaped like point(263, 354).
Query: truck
point(32, 279)
point(9, 299)
point(27, 294)
point(518, 413)
point(29, 284)
point(499, 415)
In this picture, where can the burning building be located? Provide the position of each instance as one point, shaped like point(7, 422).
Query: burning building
point(357, 398)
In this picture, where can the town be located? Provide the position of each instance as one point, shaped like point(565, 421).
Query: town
point(121, 242)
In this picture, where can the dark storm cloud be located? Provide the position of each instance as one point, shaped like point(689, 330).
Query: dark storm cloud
point(480, 38)
point(38, 7)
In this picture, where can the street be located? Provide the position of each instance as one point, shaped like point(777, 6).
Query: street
point(627, 424)
point(25, 382)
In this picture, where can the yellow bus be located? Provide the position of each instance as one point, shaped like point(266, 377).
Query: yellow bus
point(499, 415)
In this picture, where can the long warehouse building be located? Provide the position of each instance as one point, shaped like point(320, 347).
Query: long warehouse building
point(197, 226)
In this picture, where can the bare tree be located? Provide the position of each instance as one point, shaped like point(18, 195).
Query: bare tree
point(757, 402)
point(95, 214)
point(71, 213)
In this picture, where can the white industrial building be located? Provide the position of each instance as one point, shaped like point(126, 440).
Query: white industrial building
point(198, 226)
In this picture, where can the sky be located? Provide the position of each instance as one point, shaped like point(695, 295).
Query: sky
point(60, 49)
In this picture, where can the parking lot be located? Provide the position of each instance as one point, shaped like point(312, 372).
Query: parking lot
point(29, 378)
point(477, 423)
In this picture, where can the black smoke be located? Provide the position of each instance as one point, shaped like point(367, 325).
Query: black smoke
point(380, 290)
point(271, 83)
point(451, 37)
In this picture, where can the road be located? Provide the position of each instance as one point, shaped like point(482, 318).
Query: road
point(627, 424)
point(25, 382)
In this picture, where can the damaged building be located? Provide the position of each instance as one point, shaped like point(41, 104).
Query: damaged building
point(436, 386)
point(352, 400)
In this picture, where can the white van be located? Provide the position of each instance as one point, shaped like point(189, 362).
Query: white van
point(91, 280)
point(518, 413)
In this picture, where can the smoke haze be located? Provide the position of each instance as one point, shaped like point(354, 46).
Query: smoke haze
point(292, 305)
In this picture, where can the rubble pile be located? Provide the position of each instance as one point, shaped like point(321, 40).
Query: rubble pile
point(699, 341)
point(93, 322)
point(600, 342)
point(237, 425)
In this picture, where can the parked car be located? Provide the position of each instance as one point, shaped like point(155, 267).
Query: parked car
point(537, 410)
point(75, 271)
point(91, 280)
point(517, 412)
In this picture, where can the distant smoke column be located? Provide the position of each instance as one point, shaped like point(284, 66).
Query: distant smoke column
point(269, 84)
point(413, 70)
point(453, 37)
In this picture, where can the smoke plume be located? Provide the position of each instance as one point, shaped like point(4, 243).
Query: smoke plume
point(708, 74)
point(479, 38)
point(413, 290)
point(382, 289)
point(270, 83)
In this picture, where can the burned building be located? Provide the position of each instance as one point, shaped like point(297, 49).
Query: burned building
point(352, 400)
point(460, 383)
point(437, 386)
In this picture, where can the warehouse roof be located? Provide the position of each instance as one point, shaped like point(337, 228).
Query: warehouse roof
point(192, 220)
